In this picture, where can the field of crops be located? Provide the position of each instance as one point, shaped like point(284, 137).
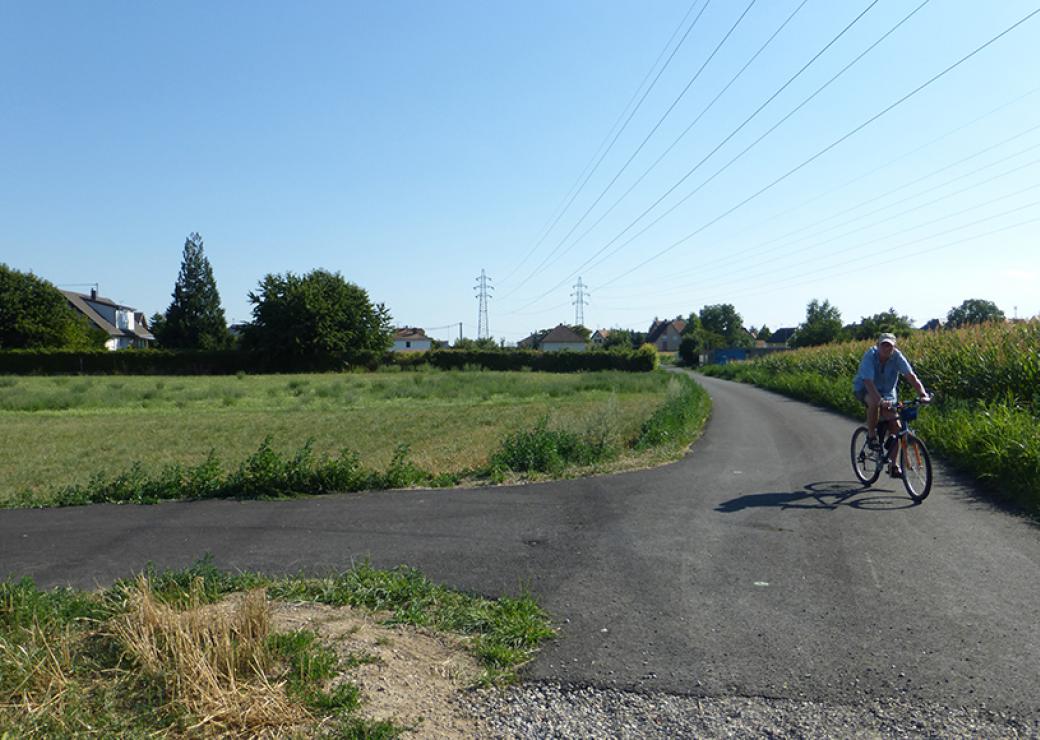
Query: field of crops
point(62, 431)
point(986, 380)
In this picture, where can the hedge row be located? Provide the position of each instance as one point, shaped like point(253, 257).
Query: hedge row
point(167, 362)
point(641, 360)
point(230, 362)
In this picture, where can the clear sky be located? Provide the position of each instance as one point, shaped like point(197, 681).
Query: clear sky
point(409, 145)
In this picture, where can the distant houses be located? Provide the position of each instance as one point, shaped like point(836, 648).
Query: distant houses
point(666, 335)
point(560, 339)
point(781, 337)
point(126, 327)
point(411, 339)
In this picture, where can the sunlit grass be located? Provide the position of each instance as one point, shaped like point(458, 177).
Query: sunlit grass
point(67, 429)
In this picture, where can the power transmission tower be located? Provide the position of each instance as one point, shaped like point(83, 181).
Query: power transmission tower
point(579, 295)
point(483, 287)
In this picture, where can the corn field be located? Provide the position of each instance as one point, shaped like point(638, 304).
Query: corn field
point(986, 380)
point(995, 363)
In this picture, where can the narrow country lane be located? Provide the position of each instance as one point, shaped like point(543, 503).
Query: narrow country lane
point(754, 567)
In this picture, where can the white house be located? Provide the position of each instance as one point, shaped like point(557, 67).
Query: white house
point(411, 339)
point(125, 327)
point(562, 338)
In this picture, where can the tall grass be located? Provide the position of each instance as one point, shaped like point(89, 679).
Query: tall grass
point(987, 385)
point(51, 437)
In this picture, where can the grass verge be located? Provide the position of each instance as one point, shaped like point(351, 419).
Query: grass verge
point(166, 653)
point(583, 442)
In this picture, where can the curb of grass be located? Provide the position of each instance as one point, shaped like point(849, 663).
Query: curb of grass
point(541, 452)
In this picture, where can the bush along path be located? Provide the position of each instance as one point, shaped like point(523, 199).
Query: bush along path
point(986, 382)
point(205, 653)
point(543, 451)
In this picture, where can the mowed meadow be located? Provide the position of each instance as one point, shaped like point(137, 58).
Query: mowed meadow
point(61, 431)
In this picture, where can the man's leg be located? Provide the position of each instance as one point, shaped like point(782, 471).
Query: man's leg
point(873, 411)
point(893, 447)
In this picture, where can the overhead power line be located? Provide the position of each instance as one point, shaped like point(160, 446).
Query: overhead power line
point(754, 143)
point(722, 143)
point(685, 131)
point(577, 188)
point(579, 295)
point(759, 249)
point(894, 234)
point(832, 145)
point(483, 288)
point(833, 189)
point(639, 148)
point(872, 259)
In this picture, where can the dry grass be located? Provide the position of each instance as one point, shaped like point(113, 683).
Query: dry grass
point(212, 661)
point(43, 668)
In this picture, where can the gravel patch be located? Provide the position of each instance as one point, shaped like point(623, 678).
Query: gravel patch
point(549, 710)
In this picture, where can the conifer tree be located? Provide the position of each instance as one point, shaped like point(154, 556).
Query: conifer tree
point(194, 319)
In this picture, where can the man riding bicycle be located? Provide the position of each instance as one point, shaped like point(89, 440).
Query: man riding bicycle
point(875, 387)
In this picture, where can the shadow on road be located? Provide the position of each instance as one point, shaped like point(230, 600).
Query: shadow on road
point(825, 495)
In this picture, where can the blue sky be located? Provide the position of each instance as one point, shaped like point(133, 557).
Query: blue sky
point(409, 145)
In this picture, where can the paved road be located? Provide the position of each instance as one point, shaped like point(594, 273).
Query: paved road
point(753, 567)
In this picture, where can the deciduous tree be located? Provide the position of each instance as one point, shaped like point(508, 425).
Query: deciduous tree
point(870, 327)
point(722, 319)
point(822, 325)
point(974, 311)
point(35, 315)
point(317, 313)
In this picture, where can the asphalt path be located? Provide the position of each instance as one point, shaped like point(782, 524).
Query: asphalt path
point(755, 566)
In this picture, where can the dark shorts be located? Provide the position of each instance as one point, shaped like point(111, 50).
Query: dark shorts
point(861, 395)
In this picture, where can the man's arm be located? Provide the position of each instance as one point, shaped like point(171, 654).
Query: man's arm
point(873, 396)
point(912, 378)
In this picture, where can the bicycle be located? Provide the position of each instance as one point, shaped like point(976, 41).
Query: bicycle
point(914, 459)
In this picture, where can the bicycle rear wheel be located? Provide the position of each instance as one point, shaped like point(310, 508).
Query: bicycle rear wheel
point(917, 468)
point(864, 460)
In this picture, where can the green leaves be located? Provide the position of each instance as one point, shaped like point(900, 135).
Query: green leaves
point(35, 315)
point(194, 319)
point(314, 314)
point(974, 311)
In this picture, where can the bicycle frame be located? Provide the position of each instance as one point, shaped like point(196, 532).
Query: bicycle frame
point(902, 447)
point(905, 412)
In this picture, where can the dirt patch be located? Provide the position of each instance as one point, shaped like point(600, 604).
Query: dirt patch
point(408, 675)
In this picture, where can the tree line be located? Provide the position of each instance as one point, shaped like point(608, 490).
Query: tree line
point(318, 313)
point(321, 313)
point(720, 326)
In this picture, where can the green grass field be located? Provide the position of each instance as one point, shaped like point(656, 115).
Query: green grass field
point(58, 431)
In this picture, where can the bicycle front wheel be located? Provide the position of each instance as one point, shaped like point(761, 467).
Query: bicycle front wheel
point(917, 468)
point(864, 460)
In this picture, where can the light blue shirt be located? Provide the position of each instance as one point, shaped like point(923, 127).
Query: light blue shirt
point(885, 378)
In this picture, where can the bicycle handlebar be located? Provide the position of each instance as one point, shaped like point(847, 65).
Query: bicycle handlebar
point(914, 402)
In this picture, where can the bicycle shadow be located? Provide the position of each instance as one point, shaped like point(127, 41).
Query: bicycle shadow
point(822, 495)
